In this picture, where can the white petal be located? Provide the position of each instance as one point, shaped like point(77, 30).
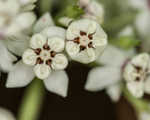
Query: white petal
point(99, 41)
point(59, 62)
point(108, 55)
point(85, 56)
point(20, 76)
point(144, 115)
point(54, 31)
point(11, 6)
point(42, 71)
point(136, 88)
point(18, 44)
point(72, 48)
point(97, 11)
point(85, 25)
point(130, 73)
point(37, 41)
point(65, 21)
point(114, 91)
point(43, 22)
point(24, 2)
point(6, 58)
point(26, 20)
point(56, 44)
point(6, 115)
point(147, 85)
point(57, 83)
point(141, 60)
point(29, 57)
point(102, 77)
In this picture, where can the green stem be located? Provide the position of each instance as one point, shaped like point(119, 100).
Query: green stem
point(45, 6)
point(139, 104)
point(32, 101)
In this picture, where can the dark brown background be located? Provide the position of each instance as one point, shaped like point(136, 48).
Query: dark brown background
point(79, 105)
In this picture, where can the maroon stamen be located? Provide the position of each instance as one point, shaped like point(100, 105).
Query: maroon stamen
point(82, 33)
point(37, 51)
point(46, 47)
point(82, 48)
point(77, 40)
point(48, 62)
point(53, 53)
point(39, 61)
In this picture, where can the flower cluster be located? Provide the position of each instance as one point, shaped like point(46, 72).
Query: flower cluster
point(45, 48)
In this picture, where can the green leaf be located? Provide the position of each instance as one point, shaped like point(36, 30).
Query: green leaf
point(74, 11)
point(125, 42)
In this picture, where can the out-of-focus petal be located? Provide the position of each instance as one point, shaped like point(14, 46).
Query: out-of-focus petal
point(20, 76)
point(57, 83)
point(102, 77)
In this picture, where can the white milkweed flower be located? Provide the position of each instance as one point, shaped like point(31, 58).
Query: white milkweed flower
point(86, 40)
point(142, 21)
point(43, 58)
point(145, 115)
point(109, 76)
point(93, 10)
point(45, 54)
point(12, 19)
point(6, 115)
point(136, 74)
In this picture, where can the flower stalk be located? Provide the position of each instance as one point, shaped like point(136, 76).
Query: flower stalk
point(139, 105)
point(32, 101)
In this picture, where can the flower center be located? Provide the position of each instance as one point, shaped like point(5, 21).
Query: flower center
point(142, 74)
point(84, 40)
point(45, 55)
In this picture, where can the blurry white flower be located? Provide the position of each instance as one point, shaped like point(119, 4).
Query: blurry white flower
point(45, 54)
point(93, 10)
point(86, 40)
point(6, 115)
point(144, 116)
point(136, 74)
point(108, 76)
point(12, 19)
point(142, 21)
point(65, 21)
point(6, 58)
point(25, 2)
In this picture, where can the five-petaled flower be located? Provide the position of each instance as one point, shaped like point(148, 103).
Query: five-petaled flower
point(43, 58)
point(45, 54)
point(136, 74)
point(86, 40)
point(109, 76)
point(93, 10)
point(13, 18)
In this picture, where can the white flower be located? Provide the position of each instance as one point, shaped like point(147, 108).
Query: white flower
point(6, 58)
point(93, 10)
point(144, 116)
point(6, 115)
point(45, 54)
point(43, 59)
point(108, 76)
point(25, 2)
point(142, 21)
point(12, 19)
point(136, 74)
point(65, 21)
point(86, 40)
